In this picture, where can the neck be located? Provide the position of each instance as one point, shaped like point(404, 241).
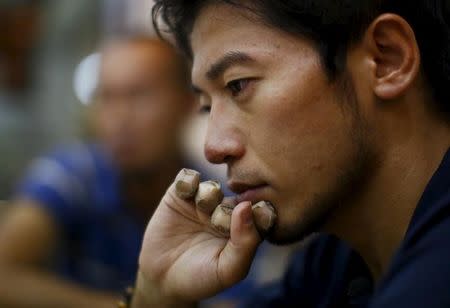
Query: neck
point(375, 221)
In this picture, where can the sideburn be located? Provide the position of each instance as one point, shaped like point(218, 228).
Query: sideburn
point(365, 159)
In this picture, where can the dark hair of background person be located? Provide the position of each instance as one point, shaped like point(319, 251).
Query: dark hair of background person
point(333, 26)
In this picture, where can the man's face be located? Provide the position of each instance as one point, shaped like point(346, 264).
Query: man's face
point(287, 134)
point(140, 105)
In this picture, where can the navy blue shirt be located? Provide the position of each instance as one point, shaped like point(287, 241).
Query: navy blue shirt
point(327, 273)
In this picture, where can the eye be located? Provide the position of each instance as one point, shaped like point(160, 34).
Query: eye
point(237, 86)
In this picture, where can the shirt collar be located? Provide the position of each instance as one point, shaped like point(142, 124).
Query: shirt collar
point(436, 196)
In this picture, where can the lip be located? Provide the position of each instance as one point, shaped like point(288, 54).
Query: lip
point(252, 193)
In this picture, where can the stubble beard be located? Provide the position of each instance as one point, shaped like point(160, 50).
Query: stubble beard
point(356, 171)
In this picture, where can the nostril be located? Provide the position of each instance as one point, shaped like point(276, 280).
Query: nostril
point(214, 155)
point(227, 159)
point(223, 152)
point(223, 144)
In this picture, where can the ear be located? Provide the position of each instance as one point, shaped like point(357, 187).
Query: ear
point(395, 53)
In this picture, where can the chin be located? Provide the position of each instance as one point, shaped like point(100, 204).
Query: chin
point(311, 220)
point(289, 235)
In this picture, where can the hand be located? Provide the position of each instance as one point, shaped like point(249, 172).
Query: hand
point(184, 257)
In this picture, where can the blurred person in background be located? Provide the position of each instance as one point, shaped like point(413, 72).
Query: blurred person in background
point(73, 234)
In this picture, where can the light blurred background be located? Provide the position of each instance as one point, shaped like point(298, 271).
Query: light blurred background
point(42, 44)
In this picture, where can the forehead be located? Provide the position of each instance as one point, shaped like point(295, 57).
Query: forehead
point(222, 29)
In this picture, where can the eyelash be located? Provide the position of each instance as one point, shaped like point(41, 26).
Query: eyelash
point(231, 86)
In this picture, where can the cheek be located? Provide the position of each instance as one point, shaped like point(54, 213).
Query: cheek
point(303, 132)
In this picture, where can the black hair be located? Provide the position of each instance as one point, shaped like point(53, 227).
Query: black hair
point(333, 26)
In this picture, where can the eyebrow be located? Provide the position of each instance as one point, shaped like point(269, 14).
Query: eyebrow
point(228, 60)
point(220, 66)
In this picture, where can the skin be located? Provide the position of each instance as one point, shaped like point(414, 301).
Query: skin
point(278, 98)
point(140, 109)
point(287, 127)
point(330, 158)
point(340, 165)
point(141, 104)
point(239, 129)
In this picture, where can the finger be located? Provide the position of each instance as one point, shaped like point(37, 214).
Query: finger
point(238, 254)
point(243, 229)
point(186, 183)
point(221, 217)
point(208, 196)
point(264, 216)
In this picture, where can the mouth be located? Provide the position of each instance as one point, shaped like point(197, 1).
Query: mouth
point(248, 192)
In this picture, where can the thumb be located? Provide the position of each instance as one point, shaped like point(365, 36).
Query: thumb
point(238, 254)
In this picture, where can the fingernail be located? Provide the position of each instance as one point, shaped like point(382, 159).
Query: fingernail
point(208, 196)
point(186, 183)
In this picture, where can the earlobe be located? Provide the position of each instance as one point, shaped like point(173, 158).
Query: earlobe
point(395, 54)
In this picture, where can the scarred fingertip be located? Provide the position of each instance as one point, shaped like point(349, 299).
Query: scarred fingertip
point(209, 195)
point(264, 216)
point(186, 183)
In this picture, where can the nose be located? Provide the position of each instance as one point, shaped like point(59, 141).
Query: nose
point(224, 140)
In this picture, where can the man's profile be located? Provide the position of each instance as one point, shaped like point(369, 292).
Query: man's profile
point(338, 114)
